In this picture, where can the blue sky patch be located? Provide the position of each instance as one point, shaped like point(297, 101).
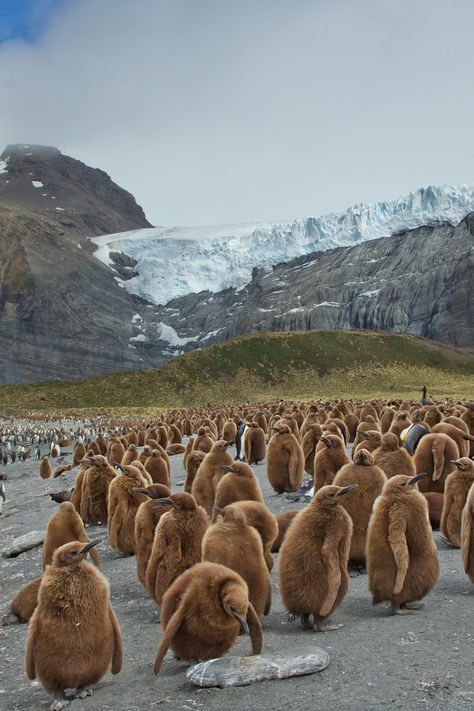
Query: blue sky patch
point(26, 19)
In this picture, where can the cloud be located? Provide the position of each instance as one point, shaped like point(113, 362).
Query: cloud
point(212, 111)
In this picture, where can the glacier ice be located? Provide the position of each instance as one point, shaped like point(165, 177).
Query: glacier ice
point(175, 261)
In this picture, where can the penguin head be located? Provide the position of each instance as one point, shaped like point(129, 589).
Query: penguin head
point(331, 441)
point(232, 514)
point(331, 495)
point(235, 601)
point(220, 446)
point(390, 442)
point(364, 458)
point(281, 429)
point(72, 553)
point(155, 454)
point(464, 464)
point(181, 501)
point(402, 484)
point(154, 491)
point(372, 436)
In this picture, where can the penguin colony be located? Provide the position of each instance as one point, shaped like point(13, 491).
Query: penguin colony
point(204, 554)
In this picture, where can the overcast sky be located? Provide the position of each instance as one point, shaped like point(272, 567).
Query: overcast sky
point(220, 111)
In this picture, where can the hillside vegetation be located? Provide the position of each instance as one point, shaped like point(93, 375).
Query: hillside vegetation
point(302, 365)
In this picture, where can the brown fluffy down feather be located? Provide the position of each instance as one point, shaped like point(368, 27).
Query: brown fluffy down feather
point(285, 460)
point(392, 458)
point(95, 483)
point(402, 562)
point(433, 455)
point(199, 614)
point(146, 521)
point(258, 516)
point(456, 490)
point(64, 526)
point(329, 460)
point(370, 481)
point(24, 603)
point(123, 505)
point(235, 544)
point(193, 462)
point(254, 444)
point(73, 635)
point(314, 556)
point(467, 535)
point(176, 544)
point(240, 484)
point(284, 520)
point(209, 474)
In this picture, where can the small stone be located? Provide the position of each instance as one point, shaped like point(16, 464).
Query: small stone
point(24, 543)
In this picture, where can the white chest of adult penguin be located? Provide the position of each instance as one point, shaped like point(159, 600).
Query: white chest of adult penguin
point(242, 430)
point(402, 561)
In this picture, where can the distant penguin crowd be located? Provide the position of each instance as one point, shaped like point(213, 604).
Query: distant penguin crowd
point(373, 480)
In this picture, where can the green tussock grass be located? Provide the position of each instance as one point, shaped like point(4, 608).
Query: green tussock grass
point(300, 365)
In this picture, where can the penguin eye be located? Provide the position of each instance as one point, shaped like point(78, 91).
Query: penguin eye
point(233, 608)
point(73, 552)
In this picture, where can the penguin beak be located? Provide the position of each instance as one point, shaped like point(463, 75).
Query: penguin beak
point(89, 546)
point(141, 490)
point(346, 489)
point(165, 501)
point(228, 444)
point(456, 463)
point(218, 510)
point(416, 478)
point(227, 468)
point(325, 441)
point(243, 624)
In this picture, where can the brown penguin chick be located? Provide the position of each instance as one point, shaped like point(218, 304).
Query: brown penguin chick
point(229, 431)
point(402, 561)
point(209, 474)
point(143, 456)
point(400, 422)
point(468, 418)
point(372, 439)
point(137, 471)
point(314, 556)
point(329, 460)
point(132, 438)
point(351, 421)
point(73, 635)
point(95, 484)
point(60, 470)
point(65, 526)
point(45, 469)
point(265, 523)
point(101, 443)
point(239, 483)
point(462, 439)
point(175, 448)
point(285, 460)
point(156, 467)
point(370, 481)
point(24, 603)
point(146, 521)
point(233, 543)
point(434, 455)
point(284, 520)
point(364, 425)
point(456, 489)
point(392, 458)
point(433, 416)
point(76, 495)
point(116, 451)
point(188, 450)
point(79, 453)
point(388, 413)
point(435, 502)
point(203, 440)
point(254, 444)
point(203, 613)
point(310, 440)
point(193, 462)
point(467, 535)
point(330, 428)
point(175, 435)
point(176, 543)
point(131, 453)
point(123, 504)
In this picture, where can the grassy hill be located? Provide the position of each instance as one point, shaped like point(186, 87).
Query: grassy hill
point(302, 365)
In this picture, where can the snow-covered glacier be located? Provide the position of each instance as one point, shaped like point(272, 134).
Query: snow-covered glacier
point(174, 261)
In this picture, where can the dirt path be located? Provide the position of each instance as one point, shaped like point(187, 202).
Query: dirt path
point(377, 661)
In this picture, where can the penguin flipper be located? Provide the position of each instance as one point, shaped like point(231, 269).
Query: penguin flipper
point(117, 651)
point(466, 536)
point(330, 557)
point(255, 629)
point(398, 544)
point(29, 647)
point(171, 629)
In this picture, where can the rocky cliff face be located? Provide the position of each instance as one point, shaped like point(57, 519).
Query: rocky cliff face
point(62, 313)
point(418, 282)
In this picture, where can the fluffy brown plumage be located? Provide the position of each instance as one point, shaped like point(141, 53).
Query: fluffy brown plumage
point(434, 455)
point(239, 483)
point(284, 520)
point(123, 504)
point(64, 526)
point(254, 444)
point(285, 460)
point(265, 523)
point(146, 521)
point(95, 483)
point(209, 474)
point(24, 603)
point(204, 611)
point(456, 490)
point(329, 460)
point(392, 458)
point(157, 468)
point(467, 535)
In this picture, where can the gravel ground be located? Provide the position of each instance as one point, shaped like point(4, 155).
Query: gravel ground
point(424, 661)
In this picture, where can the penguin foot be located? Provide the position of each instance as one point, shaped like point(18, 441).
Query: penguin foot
point(399, 610)
point(446, 541)
point(319, 627)
point(83, 692)
point(305, 623)
point(413, 606)
point(59, 702)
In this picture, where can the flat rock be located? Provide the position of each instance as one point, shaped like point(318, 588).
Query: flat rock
point(241, 671)
point(24, 543)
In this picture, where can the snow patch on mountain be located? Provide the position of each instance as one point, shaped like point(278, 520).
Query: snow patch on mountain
point(172, 262)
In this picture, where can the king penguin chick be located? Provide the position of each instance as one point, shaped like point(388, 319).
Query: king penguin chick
point(146, 521)
point(265, 523)
point(95, 490)
point(285, 460)
point(73, 635)
point(370, 481)
point(392, 458)
point(254, 445)
point(203, 613)
point(434, 455)
point(192, 464)
point(402, 561)
point(467, 535)
point(456, 489)
point(314, 556)
point(235, 544)
point(123, 504)
point(209, 474)
point(329, 460)
point(157, 468)
point(24, 603)
point(176, 544)
point(64, 526)
point(239, 483)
